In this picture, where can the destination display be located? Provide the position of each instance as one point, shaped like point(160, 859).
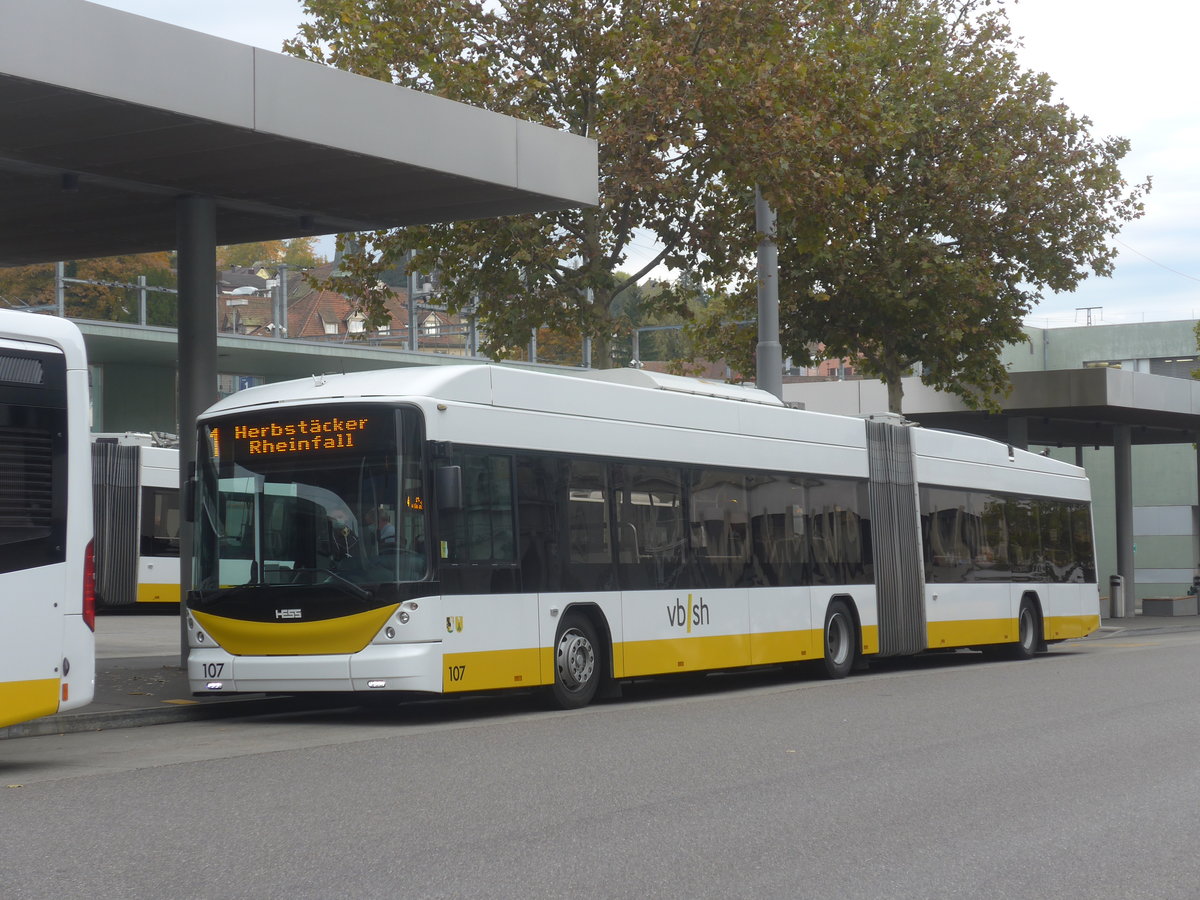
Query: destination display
point(292, 436)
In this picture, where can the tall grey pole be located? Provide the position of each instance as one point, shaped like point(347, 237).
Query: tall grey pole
point(59, 297)
point(1195, 545)
point(281, 312)
point(412, 312)
point(1123, 491)
point(196, 226)
point(473, 329)
point(141, 282)
point(769, 355)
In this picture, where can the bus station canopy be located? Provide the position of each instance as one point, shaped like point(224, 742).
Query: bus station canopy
point(120, 134)
point(107, 118)
point(1063, 408)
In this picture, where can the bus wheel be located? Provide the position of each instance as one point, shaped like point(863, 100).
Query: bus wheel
point(1027, 636)
point(841, 640)
point(577, 667)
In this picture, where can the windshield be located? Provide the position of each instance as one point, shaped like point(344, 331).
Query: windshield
point(316, 495)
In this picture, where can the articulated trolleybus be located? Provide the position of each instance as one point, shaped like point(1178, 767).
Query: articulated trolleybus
point(47, 645)
point(472, 528)
point(135, 483)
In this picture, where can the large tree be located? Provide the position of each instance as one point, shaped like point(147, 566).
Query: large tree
point(692, 102)
point(98, 288)
point(979, 194)
point(295, 252)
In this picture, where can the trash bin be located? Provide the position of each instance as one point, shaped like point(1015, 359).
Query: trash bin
point(1116, 597)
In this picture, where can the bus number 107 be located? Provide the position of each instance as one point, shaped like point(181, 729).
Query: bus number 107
point(457, 672)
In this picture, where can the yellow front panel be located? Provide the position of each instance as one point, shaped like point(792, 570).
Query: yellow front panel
point(21, 701)
point(971, 632)
point(347, 634)
point(158, 593)
point(724, 651)
point(491, 669)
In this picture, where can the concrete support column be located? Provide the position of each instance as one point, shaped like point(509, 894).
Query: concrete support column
point(1196, 536)
point(1123, 492)
point(1018, 432)
point(196, 229)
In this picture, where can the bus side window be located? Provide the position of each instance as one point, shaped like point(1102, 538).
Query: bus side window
point(539, 484)
point(482, 531)
point(651, 526)
point(160, 522)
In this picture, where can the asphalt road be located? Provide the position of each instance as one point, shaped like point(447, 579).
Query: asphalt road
point(1074, 775)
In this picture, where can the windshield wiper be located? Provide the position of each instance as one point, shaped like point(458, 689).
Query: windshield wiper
point(355, 590)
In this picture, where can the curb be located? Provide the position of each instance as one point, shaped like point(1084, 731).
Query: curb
point(74, 723)
point(1115, 631)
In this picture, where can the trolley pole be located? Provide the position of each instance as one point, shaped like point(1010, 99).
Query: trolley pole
point(769, 352)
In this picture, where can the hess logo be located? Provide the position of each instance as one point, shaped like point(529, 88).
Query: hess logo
point(694, 613)
point(288, 614)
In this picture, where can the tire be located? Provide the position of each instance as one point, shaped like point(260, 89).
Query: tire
point(1027, 642)
point(578, 668)
point(840, 640)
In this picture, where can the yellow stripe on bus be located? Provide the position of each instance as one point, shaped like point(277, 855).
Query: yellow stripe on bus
point(21, 701)
point(345, 634)
point(487, 670)
point(686, 654)
point(971, 632)
point(158, 593)
point(976, 632)
point(1059, 628)
point(784, 646)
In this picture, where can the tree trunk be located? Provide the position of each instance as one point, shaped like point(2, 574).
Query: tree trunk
point(895, 393)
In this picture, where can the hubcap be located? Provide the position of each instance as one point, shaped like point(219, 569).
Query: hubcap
point(576, 660)
point(1026, 628)
point(837, 639)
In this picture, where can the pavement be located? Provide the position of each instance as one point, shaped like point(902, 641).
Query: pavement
point(140, 681)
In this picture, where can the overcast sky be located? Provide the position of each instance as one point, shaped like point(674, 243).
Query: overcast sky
point(1130, 67)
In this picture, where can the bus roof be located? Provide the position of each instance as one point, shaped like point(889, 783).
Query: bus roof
point(627, 396)
point(60, 333)
point(493, 385)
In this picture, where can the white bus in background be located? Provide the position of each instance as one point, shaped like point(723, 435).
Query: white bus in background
point(135, 479)
point(473, 528)
point(47, 640)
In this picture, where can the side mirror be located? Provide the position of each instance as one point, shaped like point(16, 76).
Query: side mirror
point(449, 485)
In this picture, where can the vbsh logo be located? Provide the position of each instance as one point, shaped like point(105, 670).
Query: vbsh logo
point(695, 613)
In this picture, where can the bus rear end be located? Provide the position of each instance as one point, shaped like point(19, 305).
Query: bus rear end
point(47, 641)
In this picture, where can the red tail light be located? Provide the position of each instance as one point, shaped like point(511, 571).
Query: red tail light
point(89, 586)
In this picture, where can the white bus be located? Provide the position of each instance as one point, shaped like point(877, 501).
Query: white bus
point(135, 482)
point(47, 644)
point(473, 528)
